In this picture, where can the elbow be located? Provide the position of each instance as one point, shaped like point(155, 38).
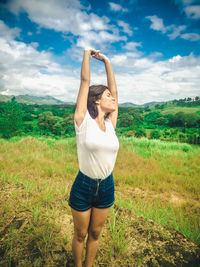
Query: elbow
point(85, 80)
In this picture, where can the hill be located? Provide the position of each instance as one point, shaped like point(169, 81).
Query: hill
point(49, 100)
point(31, 99)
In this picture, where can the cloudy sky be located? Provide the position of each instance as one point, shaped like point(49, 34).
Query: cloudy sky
point(154, 47)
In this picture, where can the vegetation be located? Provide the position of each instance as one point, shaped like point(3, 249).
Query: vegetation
point(178, 120)
point(154, 221)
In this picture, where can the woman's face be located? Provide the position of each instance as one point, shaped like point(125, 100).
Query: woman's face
point(107, 101)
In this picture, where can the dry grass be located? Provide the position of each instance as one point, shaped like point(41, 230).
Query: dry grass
point(157, 193)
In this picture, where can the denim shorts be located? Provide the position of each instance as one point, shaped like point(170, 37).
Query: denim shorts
point(87, 192)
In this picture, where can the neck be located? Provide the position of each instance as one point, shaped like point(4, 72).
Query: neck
point(100, 117)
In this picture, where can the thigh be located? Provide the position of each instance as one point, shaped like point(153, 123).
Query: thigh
point(81, 220)
point(98, 218)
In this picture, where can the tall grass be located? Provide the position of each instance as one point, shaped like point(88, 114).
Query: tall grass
point(155, 180)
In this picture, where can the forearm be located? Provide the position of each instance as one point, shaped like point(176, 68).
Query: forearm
point(85, 68)
point(110, 78)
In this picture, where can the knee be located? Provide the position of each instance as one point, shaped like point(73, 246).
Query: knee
point(94, 234)
point(80, 236)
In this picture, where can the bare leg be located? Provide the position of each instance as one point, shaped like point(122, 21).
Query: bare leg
point(98, 218)
point(81, 224)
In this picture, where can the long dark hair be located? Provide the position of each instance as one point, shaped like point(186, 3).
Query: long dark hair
point(95, 93)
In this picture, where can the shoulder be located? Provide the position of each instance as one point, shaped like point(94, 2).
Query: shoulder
point(83, 124)
point(109, 124)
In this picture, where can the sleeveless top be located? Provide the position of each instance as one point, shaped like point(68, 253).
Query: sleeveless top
point(97, 150)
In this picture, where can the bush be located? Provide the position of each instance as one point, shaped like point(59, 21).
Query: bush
point(140, 132)
point(155, 134)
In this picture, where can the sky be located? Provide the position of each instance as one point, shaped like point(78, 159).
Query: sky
point(153, 46)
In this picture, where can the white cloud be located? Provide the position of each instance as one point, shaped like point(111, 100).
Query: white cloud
point(140, 79)
point(176, 31)
point(192, 12)
point(191, 36)
point(34, 44)
point(132, 45)
point(145, 79)
point(172, 31)
point(69, 17)
point(8, 33)
point(115, 7)
point(25, 70)
point(126, 27)
point(190, 7)
point(119, 59)
point(175, 59)
point(157, 24)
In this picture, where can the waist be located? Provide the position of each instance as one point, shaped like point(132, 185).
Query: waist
point(90, 180)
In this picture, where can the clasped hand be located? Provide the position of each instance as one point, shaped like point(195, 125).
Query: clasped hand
point(96, 54)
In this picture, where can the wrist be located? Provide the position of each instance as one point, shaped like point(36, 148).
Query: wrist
point(105, 59)
point(89, 50)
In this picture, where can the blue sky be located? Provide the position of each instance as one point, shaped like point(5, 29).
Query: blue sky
point(154, 47)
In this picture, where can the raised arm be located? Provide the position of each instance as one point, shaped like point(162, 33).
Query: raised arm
point(113, 89)
point(81, 102)
point(111, 85)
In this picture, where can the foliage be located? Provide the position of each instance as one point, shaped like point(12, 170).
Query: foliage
point(152, 116)
point(181, 119)
point(11, 116)
point(155, 134)
point(140, 132)
point(174, 122)
point(125, 120)
point(46, 122)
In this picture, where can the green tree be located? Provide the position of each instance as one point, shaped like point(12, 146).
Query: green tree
point(46, 122)
point(155, 134)
point(151, 117)
point(11, 123)
point(67, 124)
point(192, 119)
point(125, 120)
point(160, 121)
point(177, 120)
point(140, 132)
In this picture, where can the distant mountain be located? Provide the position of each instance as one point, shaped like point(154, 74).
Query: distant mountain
point(30, 99)
point(151, 104)
point(49, 100)
point(127, 105)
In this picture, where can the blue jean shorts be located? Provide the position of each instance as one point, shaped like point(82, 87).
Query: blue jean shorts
point(87, 192)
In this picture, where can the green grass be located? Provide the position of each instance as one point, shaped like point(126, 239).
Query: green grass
point(175, 109)
point(154, 181)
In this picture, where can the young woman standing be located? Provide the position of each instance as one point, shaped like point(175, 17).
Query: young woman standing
point(92, 193)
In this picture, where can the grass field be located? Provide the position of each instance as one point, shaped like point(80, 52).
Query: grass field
point(154, 221)
point(174, 109)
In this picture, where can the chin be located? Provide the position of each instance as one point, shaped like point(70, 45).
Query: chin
point(112, 109)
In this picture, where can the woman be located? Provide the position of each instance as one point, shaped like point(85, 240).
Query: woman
point(92, 193)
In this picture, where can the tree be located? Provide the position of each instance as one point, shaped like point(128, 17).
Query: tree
point(140, 132)
point(177, 120)
point(11, 117)
point(67, 124)
point(160, 121)
point(192, 119)
point(46, 122)
point(125, 120)
point(152, 116)
point(155, 134)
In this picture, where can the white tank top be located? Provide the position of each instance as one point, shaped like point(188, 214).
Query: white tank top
point(97, 150)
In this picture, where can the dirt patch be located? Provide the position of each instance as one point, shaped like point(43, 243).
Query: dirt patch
point(176, 199)
point(150, 244)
